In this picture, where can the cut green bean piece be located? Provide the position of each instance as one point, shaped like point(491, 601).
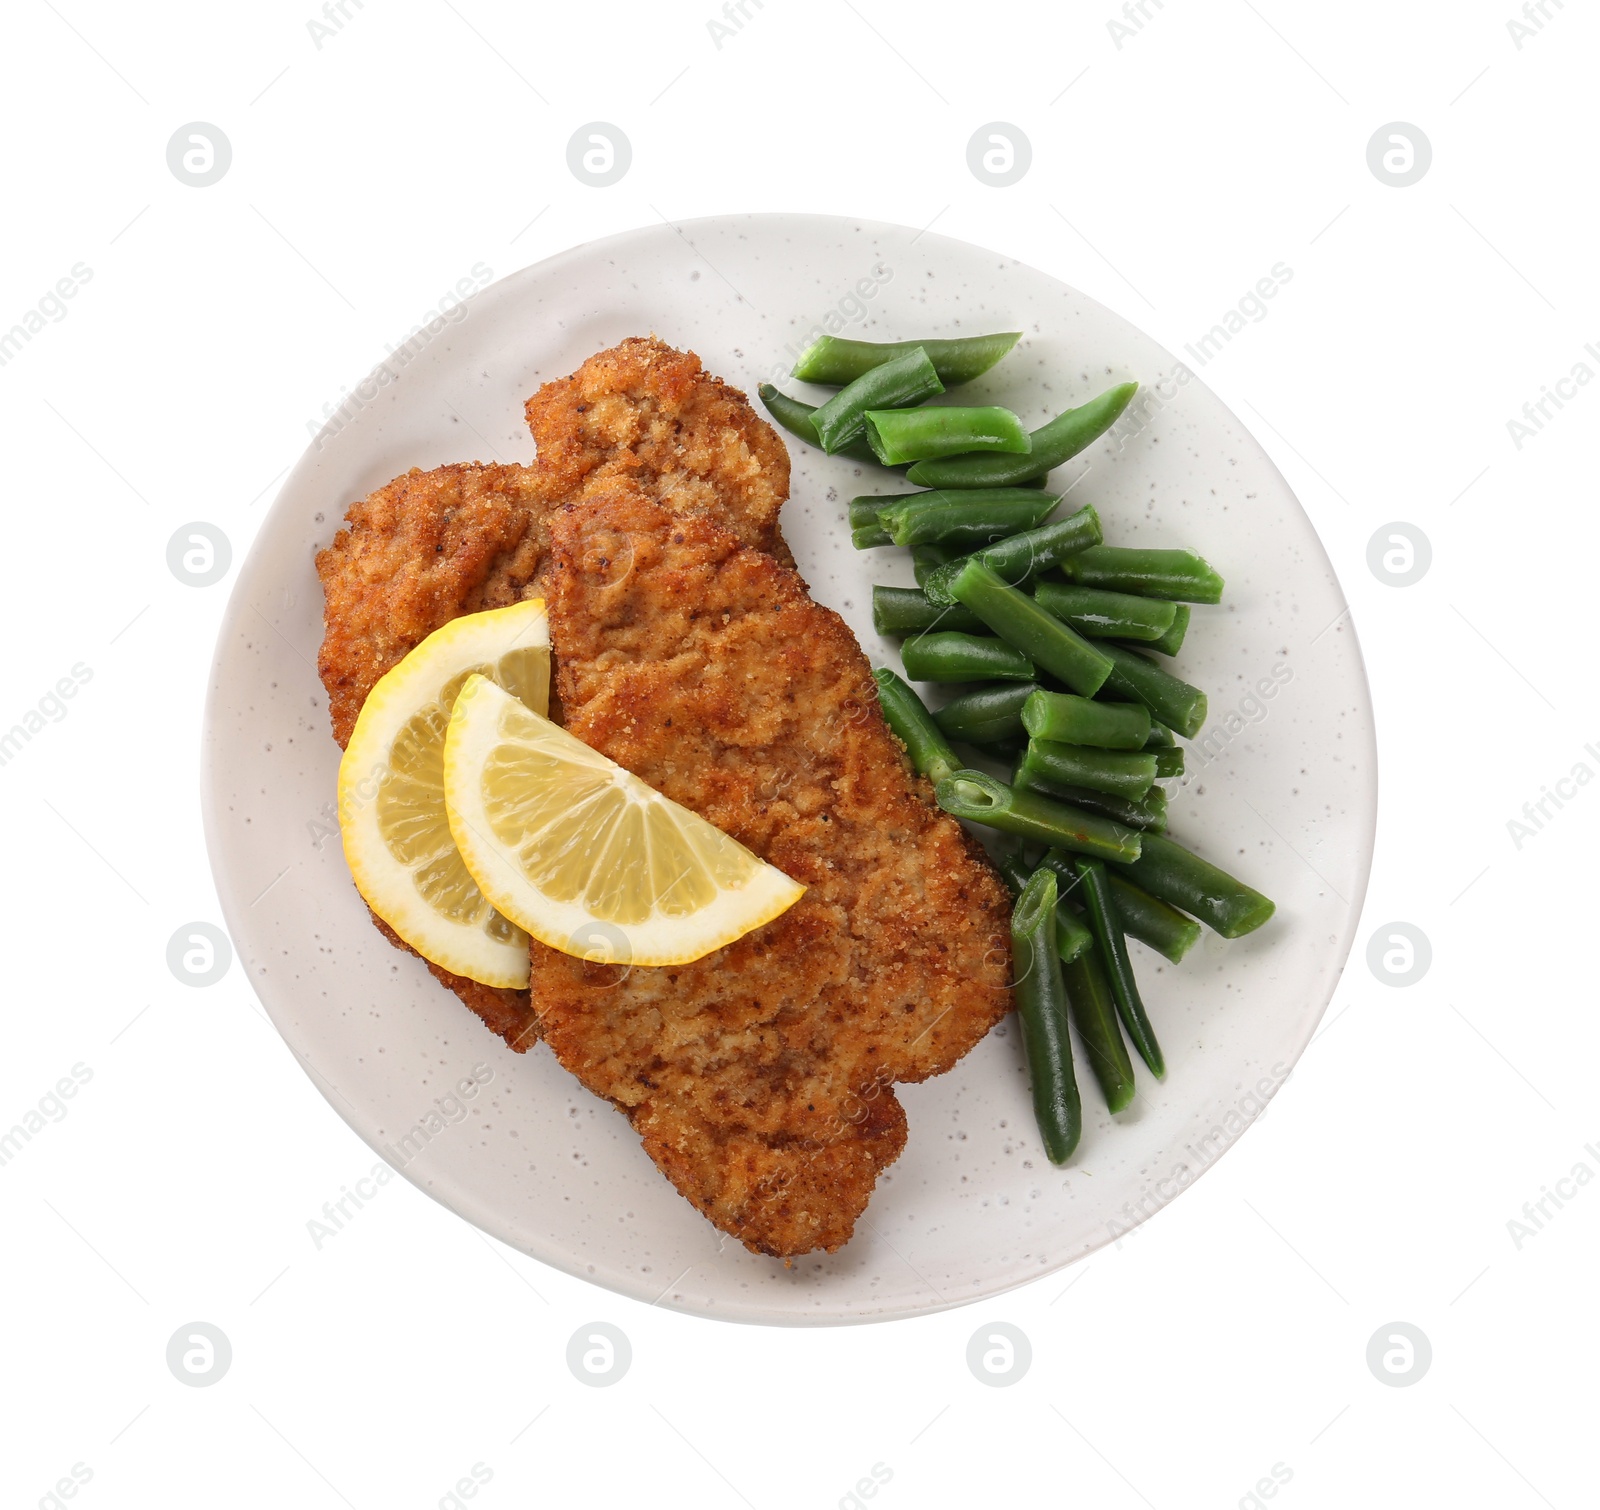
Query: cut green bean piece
point(866, 530)
point(927, 559)
point(950, 656)
point(795, 417)
point(900, 611)
point(1072, 933)
point(1060, 862)
point(1153, 922)
point(1160, 736)
point(1106, 923)
point(913, 725)
point(1094, 1015)
point(1043, 1009)
point(1172, 641)
point(1122, 773)
point(982, 799)
point(1174, 875)
point(966, 520)
point(1003, 751)
point(834, 361)
point(1019, 557)
point(1135, 679)
point(1178, 576)
point(1017, 619)
point(1069, 719)
point(986, 715)
point(934, 430)
point(1105, 615)
point(906, 379)
point(1051, 444)
point(866, 505)
point(1147, 815)
point(1169, 762)
point(1014, 868)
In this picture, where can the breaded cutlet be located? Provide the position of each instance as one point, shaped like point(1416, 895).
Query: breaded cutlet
point(760, 1078)
point(431, 546)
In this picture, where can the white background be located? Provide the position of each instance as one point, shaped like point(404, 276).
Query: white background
point(1168, 174)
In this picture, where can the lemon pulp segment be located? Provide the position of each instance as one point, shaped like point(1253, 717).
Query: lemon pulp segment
point(560, 838)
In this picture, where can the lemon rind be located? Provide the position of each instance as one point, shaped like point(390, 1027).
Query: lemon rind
point(461, 643)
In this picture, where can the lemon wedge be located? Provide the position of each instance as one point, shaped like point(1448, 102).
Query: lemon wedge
point(391, 791)
point(582, 853)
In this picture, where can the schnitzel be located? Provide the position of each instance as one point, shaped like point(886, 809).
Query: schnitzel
point(760, 1077)
point(430, 546)
point(645, 411)
point(421, 551)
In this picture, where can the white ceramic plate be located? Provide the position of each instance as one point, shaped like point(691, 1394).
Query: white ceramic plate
point(1284, 793)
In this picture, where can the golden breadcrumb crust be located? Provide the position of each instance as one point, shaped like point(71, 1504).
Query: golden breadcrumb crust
point(761, 1077)
point(431, 546)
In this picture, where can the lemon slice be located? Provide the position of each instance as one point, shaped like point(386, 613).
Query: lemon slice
point(586, 856)
point(391, 791)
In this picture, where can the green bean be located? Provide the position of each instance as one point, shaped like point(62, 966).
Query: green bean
point(1171, 873)
point(1160, 737)
point(1014, 868)
point(1094, 1015)
point(1133, 678)
point(967, 520)
point(898, 435)
point(900, 611)
point(866, 505)
point(1147, 815)
point(865, 529)
point(1073, 720)
point(795, 417)
point(1001, 750)
point(1059, 862)
point(1019, 557)
point(949, 656)
point(906, 379)
point(1172, 641)
point(1052, 443)
point(1072, 934)
point(1042, 1007)
point(926, 559)
point(1016, 618)
point(833, 361)
point(1106, 615)
point(982, 799)
point(1106, 923)
point(913, 725)
point(862, 511)
point(1169, 762)
point(1122, 773)
point(986, 715)
point(1152, 922)
point(1178, 576)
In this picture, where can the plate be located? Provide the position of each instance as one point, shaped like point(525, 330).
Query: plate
point(1282, 786)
